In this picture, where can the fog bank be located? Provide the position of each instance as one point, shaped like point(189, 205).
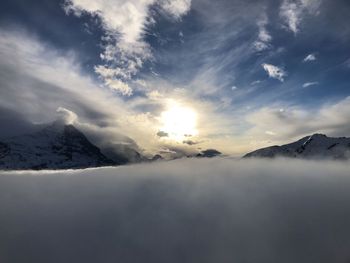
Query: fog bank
point(208, 210)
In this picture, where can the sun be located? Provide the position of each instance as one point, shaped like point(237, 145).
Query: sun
point(179, 121)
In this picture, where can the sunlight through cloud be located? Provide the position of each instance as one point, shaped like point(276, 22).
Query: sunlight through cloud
point(179, 121)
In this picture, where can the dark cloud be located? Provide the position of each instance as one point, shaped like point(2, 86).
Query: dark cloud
point(20, 91)
point(162, 134)
point(212, 210)
point(190, 142)
point(14, 123)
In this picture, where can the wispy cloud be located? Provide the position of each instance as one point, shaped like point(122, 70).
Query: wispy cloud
point(310, 57)
point(274, 72)
point(292, 12)
point(68, 116)
point(264, 37)
point(176, 8)
point(347, 63)
point(308, 84)
point(294, 122)
point(120, 86)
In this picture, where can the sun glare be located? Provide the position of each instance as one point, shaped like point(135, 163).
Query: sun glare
point(179, 122)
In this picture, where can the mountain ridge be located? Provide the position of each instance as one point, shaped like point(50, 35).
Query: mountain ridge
point(56, 146)
point(316, 146)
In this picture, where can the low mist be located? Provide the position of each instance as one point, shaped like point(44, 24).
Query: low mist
point(209, 210)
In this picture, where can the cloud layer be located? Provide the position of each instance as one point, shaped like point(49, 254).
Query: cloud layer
point(182, 211)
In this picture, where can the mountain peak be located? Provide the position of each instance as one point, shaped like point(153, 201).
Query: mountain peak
point(319, 136)
point(56, 146)
point(316, 146)
point(209, 153)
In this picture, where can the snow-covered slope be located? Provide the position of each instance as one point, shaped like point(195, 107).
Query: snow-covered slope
point(56, 146)
point(316, 146)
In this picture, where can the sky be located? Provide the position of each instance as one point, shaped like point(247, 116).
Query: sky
point(177, 76)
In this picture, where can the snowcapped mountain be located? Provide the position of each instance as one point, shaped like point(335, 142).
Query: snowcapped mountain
point(57, 146)
point(317, 146)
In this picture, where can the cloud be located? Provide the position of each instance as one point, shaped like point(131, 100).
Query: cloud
point(310, 57)
point(176, 8)
point(264, 37)
point(270, 133)
point(347, 63)
point(212, 210)
point(292, 12)
point(260, 46)
point(36, 81)
point(308, 84)
point(255, 82)
point(162, 134)
point(69, 117)
point(124, 23)
point(190, 142)
point(120, 86)
point(294, 122)
point(274, 71)
point(14, 123)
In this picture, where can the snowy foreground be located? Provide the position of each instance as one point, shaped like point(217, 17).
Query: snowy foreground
point(212, 210)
